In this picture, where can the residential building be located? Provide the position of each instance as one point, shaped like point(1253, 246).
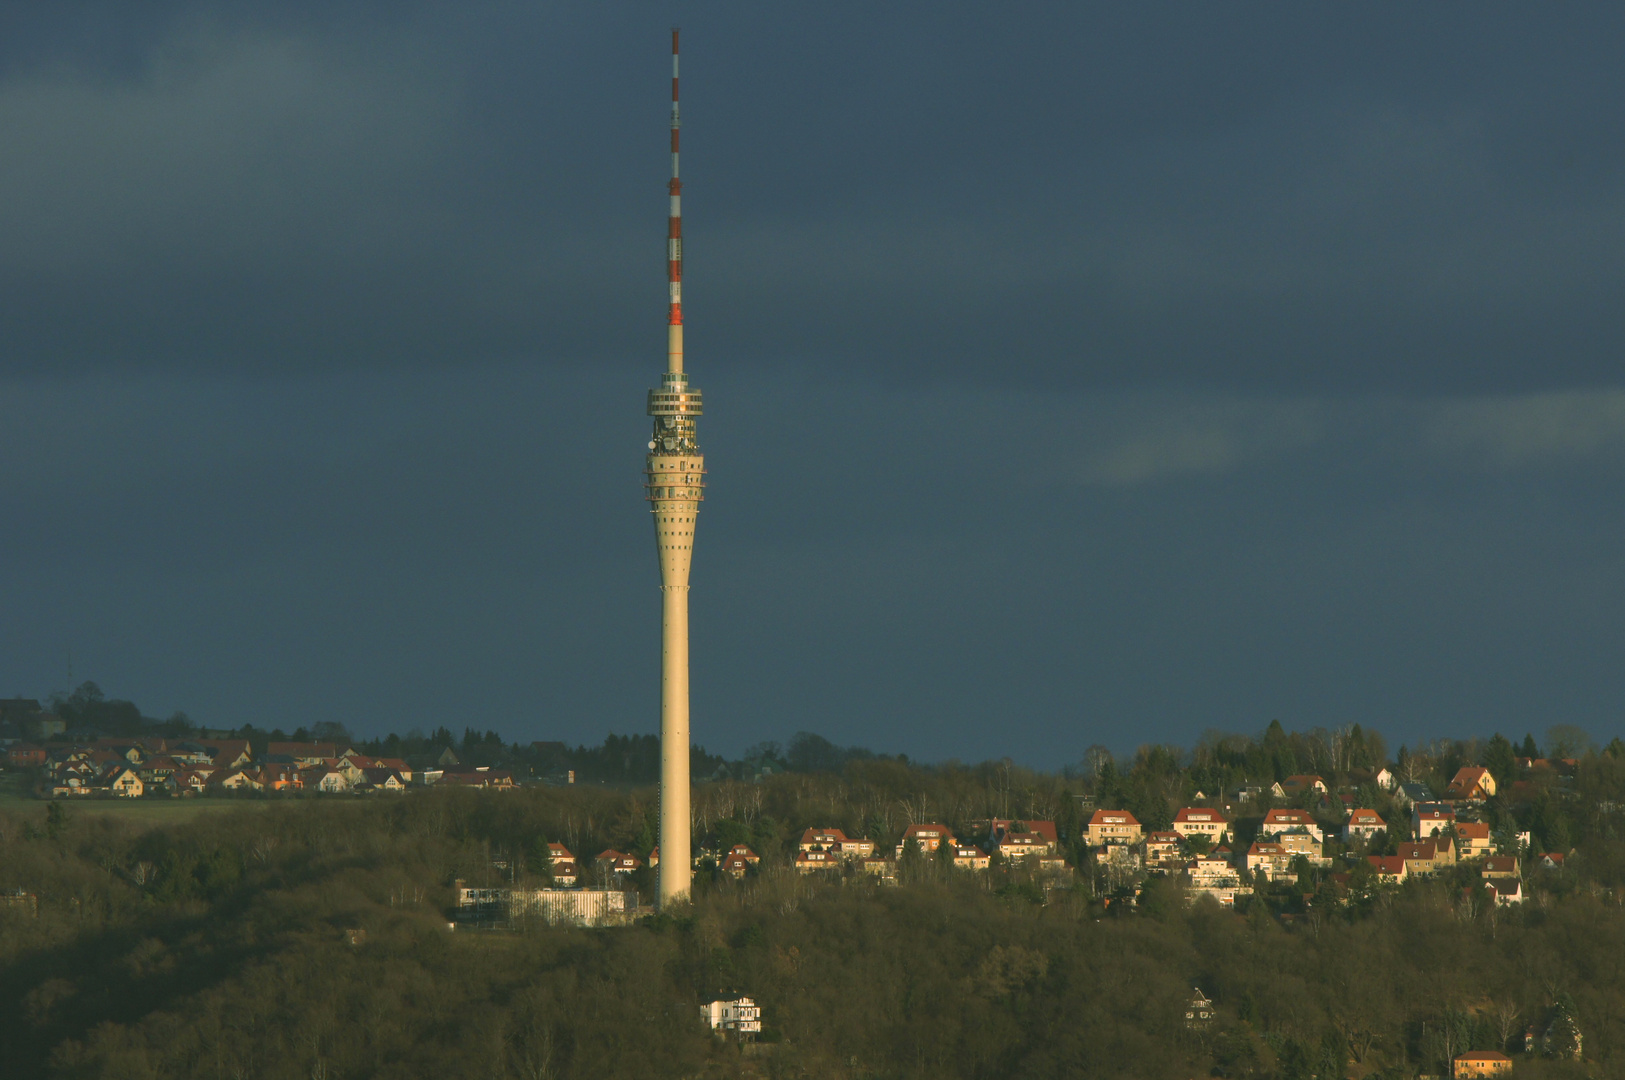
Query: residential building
point(236, 779)
point(1113, 827)
point(1505, 891)
point(25, 756)
point(1162, 850)
point(822, 840)
point(971, 858)
point(124, 782)
point(1473, 840)
point(1472, 783)
point(1283, 820)
point(1297, 842)
point(379, 778)
point(998, 828)
point(1430, 818)
point(741, 1016)
point(1202, 821)
point(1412, 792)
point(1379, 776)
point(1199, 1011)
point(1552, 860)
point(739, 860)
point(856, 848)
point(929, 837)
point(1389, 868)
point(564, 865)
point(1480, 1063)
point(610, 861)
point(813, 862)
point(1293, 786)
point(1421, 856)
point(1363, 825)
point(1500, 866)
point(309, 753)
point(1268, 859)
point(1021, 845)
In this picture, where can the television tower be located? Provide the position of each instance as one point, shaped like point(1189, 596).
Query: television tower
point(674, 484)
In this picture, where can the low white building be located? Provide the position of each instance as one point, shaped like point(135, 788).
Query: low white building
point(742, 1016)
point(577, 907)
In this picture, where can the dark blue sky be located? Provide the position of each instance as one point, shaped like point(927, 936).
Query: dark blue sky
point(1076, 373)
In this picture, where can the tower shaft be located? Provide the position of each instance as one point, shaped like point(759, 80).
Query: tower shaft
point(674, 484)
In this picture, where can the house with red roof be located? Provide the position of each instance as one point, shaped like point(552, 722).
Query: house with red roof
point(1363, 825)
point(25, 756)
point(929, 837)
point(971, 858)
point(1268, 859)
point(1283, 820)
point(1428, 819)
point(1113, 827)
point(1202, 821)
point(739, 860)
point(1163, 850)
point(822, 840)
point(1294, 786)
point(610, 861)
point(1389, 868)
point(1473, 839)
point(1472, 783)
point(819, 861)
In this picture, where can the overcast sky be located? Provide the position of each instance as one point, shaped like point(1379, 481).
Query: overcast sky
point(1075, 373)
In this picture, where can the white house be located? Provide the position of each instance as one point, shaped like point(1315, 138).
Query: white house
point(741, 1016)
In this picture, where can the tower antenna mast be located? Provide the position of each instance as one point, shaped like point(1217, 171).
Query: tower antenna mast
point(674, 485)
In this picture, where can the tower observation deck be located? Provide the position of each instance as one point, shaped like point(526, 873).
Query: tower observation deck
point(674, 485)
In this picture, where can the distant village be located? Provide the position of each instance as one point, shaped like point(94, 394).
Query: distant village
point(80, 765)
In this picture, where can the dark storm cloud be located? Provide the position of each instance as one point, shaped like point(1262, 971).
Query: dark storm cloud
point(1269, 198)
point(1075, 374)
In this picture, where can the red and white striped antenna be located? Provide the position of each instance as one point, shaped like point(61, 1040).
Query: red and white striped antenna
point(674, 236)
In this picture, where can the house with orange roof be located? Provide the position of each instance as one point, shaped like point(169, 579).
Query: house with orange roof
point(815, 862)
point(998, 827)
point(1472, 783)
point(1113, 827)
point(1268, 859)
point(1283, 820)
point(971, 858)
point(929, 837)
point(1363, 825)
point(739, 860)
point(1499, 866)
point(1202, 821)
point(1162, 850)
point(822, 840)
point(564, 865)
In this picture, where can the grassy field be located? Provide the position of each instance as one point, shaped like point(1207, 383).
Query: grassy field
point(15, 798)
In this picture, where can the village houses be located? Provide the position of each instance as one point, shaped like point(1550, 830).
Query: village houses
point(1193, 821)
point(1110, 827)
